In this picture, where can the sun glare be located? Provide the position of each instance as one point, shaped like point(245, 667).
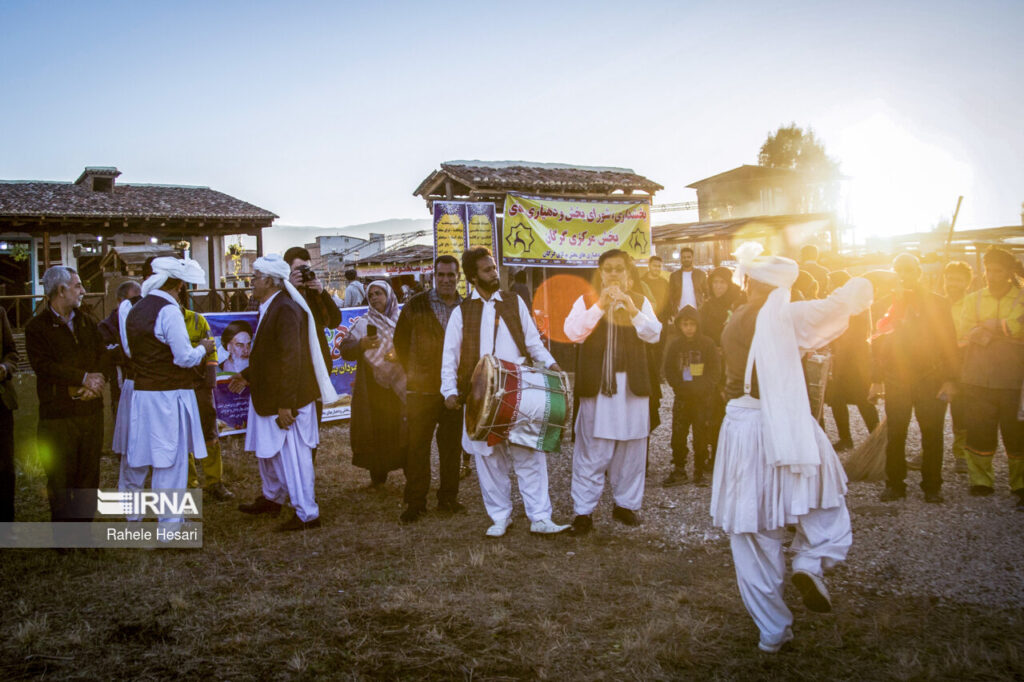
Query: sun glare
point(897, 183)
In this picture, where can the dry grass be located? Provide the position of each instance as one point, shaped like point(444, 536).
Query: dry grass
point(366, 598)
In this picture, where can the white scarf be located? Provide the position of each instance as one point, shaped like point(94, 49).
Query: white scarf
point(785, 409)
point(272, 264)
point(165, 267)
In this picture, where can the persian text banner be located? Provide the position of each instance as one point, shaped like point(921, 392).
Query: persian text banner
point(572, 232)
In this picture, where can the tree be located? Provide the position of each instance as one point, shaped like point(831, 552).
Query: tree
point(793, 148)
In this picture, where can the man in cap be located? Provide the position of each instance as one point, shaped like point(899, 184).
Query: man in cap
point(285, 376)
point(775, 466)
point(164, 424)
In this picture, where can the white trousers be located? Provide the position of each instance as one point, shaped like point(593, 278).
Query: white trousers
point(625, 462)
point(495, 474)
point(823, 538)
point(174, 477)
point(288, 477)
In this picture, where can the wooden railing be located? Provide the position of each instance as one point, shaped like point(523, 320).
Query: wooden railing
point(20, 309)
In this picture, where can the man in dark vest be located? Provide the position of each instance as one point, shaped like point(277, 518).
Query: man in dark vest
point(419, 339)
point(619, 330)
point(66, 353)
point(164, 413)
point(493, 322)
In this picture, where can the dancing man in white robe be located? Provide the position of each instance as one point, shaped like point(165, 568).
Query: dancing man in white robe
point(614, 380)
point(775, 466)
point(285, 376)
point(163, 422)
point(481, 326)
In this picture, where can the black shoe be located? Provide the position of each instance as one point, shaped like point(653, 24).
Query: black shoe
point(698, 479)
point(625, 516)
point(676, 478)
point(219, 493)
point(411, 515)
point(1020, 499)
point(261, 505)
point(295, 524)
point(813, 590)
point(892, 494)
point(842, 444)
point(581, 525)
point(450, 507)
point(933, 497)
point(980, 491)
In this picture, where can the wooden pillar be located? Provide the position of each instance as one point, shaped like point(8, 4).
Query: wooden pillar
point(46, 251)
point(259, 242)
point(211, 262)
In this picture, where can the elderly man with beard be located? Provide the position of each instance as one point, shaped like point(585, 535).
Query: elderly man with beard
point(775, 466)
point(285, 376)
point(493, 322)
point(164, 424)
point(67, 355)
point(419, 344)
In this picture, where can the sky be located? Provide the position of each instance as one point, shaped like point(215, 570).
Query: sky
point(331, 113)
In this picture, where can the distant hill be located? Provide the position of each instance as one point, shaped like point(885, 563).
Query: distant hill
point(279, 237)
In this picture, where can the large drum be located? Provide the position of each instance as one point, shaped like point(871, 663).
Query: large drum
point(523, 405)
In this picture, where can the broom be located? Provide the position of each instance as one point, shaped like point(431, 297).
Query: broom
point(867, 462)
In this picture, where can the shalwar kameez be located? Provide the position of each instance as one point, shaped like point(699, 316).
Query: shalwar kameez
point(286, 455)
point(496, 464)
point(164, 421)
point(775, 466)
point(611, 427)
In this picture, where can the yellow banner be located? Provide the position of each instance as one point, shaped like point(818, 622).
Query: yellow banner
point(572, 232)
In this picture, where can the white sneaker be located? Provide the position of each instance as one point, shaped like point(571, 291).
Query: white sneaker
point(499, 528)
point(774, 648)
point(547, 527)
point(812, 589)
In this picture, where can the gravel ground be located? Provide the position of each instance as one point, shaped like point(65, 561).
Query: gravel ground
point(967, 550)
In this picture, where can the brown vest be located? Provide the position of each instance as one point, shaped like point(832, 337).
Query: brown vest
point(507, 309)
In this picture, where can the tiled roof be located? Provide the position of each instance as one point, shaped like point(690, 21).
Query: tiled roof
point(65, 199)
point(502, 176)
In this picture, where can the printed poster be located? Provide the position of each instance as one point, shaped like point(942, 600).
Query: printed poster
point(564, 233)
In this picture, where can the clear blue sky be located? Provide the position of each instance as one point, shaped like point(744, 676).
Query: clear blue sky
point(331, 114)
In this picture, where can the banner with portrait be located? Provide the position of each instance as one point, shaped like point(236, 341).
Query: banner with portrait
point(234, 334)
point(571, 233)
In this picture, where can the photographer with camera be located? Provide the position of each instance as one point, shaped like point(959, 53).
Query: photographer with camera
point(326, 314)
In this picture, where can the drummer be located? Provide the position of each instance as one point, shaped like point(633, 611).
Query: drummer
point(618, 329)
point(493, 322)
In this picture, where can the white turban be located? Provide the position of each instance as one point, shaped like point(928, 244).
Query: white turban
point(273, 265)
point(787, 423)
point(165, 268)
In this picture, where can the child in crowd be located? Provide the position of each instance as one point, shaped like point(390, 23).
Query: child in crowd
point(692, 368)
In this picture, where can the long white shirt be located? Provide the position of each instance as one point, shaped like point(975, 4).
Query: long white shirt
point(689, 295)
point(500, 345)
point(122, 317)
point(155, 433)
point(622, 416)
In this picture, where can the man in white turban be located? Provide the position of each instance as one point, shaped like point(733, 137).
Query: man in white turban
point(285, 376)
point(164, 417)
point(775, 467)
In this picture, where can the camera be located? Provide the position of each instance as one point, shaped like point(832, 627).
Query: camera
point(306, 273)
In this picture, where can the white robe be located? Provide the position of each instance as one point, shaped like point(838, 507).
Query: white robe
point(611, 431)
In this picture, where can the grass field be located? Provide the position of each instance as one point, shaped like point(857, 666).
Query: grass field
point(366, 598)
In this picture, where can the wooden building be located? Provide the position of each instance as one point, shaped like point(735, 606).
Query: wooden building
point(45, 223)
point(748, 191)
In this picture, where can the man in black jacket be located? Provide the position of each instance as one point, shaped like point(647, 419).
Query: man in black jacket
point(8, 403)
point(283, 382)
point(419, 343)
point(686, 286)
point(66, 354)
point(917, 360)
point(326, 314)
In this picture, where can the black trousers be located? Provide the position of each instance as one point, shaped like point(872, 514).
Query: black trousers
point(841, 415)
point(902, 400)
point(426, 412)
point(69, 451)
point(687, 412)
point(6, 464)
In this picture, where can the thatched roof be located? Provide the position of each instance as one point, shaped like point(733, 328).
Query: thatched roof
point(494, 177)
